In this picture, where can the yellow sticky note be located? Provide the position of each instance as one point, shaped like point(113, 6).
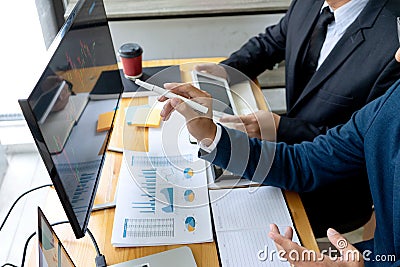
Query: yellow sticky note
point(104, 121)
point(146, 117)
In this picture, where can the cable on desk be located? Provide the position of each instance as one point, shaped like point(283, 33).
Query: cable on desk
point(16, 201)
point(100, 259)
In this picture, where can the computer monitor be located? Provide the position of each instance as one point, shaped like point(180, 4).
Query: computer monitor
point(51, 252)
point(62, 116)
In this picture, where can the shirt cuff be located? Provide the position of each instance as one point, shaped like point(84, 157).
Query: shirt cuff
point(214, 144)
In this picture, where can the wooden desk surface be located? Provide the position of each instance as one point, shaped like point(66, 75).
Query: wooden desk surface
point(101, 222)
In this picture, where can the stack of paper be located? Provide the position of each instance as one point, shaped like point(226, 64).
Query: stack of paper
point(162, 196)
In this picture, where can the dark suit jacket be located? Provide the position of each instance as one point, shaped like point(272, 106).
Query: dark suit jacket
point(359, 69)
point(370, 138)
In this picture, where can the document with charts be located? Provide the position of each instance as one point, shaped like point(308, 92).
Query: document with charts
point(242, 217)
point(160, 203)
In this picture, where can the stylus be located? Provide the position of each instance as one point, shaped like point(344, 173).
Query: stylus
point(168, 94)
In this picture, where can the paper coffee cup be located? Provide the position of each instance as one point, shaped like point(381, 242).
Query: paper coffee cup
point(131, 58)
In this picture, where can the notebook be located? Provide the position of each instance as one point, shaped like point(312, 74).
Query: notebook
point(241, 220)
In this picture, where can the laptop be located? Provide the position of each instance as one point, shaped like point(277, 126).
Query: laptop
point(179, 257)
point(52, 253)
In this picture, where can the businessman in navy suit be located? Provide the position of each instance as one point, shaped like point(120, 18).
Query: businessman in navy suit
point(355, 66)
point(369, 140)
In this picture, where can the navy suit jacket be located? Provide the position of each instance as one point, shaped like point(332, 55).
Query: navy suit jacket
point(370, 139)
point(359, 69)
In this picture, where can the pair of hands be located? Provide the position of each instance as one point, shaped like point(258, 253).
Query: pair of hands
point(261, 124)
point(299, 256)
point(201, 126)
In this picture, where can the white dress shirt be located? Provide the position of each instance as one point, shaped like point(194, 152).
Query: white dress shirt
point(344, 17)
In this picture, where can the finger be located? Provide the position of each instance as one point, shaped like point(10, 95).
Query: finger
point(203, 67)
point(230, 118)
point(162, 98)
point(289, 233)
point(398, 55)
point(184, 109)
point(167, 110)
point(274, 228)
point(185, 89)
point(288, 246)
point(339, 241)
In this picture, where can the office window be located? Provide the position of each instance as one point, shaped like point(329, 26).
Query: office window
point(21, 50)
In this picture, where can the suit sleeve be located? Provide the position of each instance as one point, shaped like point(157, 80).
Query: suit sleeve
point(293, 130)
point(263, 51)
point(302, 167)
point(386, 79)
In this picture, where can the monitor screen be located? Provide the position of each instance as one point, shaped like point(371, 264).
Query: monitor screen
point(51, 251)
point(63, 108)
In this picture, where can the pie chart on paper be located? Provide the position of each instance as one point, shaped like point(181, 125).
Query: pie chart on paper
point(189, 195)
point(190, 224)
point(188, 173)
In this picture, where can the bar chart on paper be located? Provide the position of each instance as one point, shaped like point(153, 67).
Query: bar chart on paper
point(146, 202)
point(159, 202)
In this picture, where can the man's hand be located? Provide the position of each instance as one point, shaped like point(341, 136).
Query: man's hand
point(300, 256)
point(397, 56)
point(261, 124)
point(200, 126)
point(213, 69)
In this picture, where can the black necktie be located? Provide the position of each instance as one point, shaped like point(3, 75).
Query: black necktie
point(316, 41)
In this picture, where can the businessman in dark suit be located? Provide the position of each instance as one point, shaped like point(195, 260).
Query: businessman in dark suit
point(354, 66)
point(370, 139)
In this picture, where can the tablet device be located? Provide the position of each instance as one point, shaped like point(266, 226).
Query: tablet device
point(218, 88)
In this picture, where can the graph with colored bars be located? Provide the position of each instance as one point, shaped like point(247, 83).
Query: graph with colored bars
point(148, 178)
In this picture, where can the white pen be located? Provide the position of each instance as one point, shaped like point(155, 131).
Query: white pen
point(169, 94)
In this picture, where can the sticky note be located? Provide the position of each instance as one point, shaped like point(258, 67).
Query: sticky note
point(145, 117)
point(104, 121)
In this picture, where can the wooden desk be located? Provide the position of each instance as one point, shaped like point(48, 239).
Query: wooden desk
point(101, 222)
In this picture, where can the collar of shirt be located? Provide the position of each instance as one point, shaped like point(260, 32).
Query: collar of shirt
point(345, 15)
